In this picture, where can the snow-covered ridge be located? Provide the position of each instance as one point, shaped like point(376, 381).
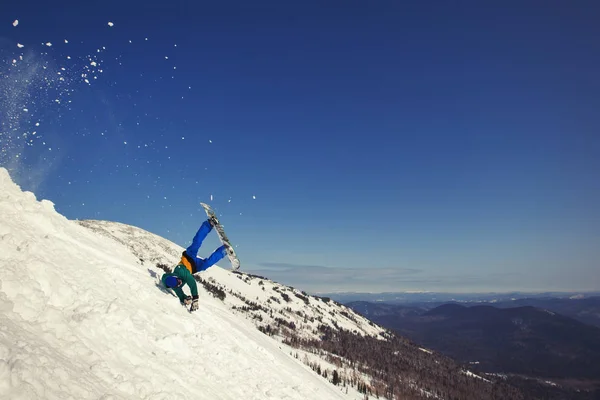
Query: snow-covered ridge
point(268, 304)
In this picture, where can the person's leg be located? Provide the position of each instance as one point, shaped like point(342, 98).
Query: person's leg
point(193, 248)
point(214, 258)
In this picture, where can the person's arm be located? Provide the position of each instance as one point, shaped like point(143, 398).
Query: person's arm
point(179, 292)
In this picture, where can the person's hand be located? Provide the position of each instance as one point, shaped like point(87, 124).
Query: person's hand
point(187, 301)
point(194, 306)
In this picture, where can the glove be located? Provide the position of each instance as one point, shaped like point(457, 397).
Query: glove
point(194, 306)
point(187, 301)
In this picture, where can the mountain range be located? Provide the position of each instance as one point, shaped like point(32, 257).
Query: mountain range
point(525, 341)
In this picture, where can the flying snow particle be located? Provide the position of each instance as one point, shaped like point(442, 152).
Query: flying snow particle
point(111, 24)
point(16, 22)
point(166, 58)
point(253, 197)
point(86, 81)
point(209, 141)
point(183, 138)
point(25, 109)
point(124, 142)
point(14, 61)
point(37, 124)
point(93, 63)
point(68, 57)
point(146, 39)
point(19, 45)
point(48, 44)
point(66, 41)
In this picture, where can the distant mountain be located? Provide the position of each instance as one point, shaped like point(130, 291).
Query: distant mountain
point(375, 310)
point(524, 340)
point(437, 298)
point(579, 307)
point(584, 309)
point(521, 340)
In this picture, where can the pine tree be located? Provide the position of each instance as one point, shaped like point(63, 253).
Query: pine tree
point(336, 379)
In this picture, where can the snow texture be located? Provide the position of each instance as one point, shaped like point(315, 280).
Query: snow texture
point(469, 373)
point(83, 317)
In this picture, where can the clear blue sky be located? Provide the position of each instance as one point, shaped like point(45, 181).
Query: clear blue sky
point(445, 146)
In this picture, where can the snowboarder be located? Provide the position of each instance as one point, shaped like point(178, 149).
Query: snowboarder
point(190, 263)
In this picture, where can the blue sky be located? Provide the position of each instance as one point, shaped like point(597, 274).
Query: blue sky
point(347, 146)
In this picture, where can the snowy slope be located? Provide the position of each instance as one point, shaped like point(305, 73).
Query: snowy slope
point(81, 316)
point(262, 300)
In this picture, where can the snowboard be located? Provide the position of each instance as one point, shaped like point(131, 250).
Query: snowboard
point(235, 262)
